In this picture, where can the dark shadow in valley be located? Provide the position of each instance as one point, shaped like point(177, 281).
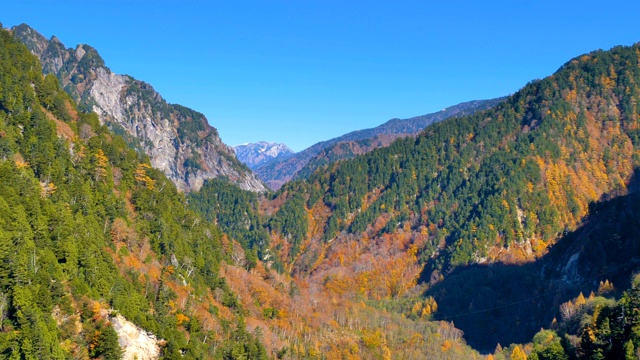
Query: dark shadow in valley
point(509, 303)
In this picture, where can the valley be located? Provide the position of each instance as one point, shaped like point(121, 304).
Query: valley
point(497, 229)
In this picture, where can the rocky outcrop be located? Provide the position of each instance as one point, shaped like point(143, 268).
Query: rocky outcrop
point(135, 342)
point(278, 171)
point(256, 154)
point(179, 141)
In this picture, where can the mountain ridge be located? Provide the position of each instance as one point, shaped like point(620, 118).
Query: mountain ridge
point(92, 234)
point(498, 186)
point(258, 153)
point(460, 219)
point(277, 172)
point(178, 140)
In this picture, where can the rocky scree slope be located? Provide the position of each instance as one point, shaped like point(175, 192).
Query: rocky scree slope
point(256, 154)
point(179, 141)
point(279, 171)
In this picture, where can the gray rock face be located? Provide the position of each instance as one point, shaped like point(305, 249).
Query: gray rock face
point(256, 154)
point(179, 141)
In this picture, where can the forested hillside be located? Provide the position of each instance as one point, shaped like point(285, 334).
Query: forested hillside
point(509, 303)
point(298, 166)
point(501, 222)
point(91, 234)
point(88, 228)
point(499, 185)
point(179, 141)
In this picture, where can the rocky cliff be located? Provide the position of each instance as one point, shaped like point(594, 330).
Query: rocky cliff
point(256, 154)
point(179, 141)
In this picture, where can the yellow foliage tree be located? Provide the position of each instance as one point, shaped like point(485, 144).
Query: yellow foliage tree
point(518, 354)
point(605, 287)
point(181, 318)
point(142, 177)
point(101, 165)
point(373, 340)
point(47, 189)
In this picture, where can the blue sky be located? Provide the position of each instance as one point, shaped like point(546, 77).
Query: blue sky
point(303, 71)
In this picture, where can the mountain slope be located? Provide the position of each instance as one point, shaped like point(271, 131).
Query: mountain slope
point(515, 301)
point(178, 140)
point(256, 154)
point(453, 221)
point(499, 186)
point(277, 172)
point(479, 188)
point(98, 250)
point(89, 233)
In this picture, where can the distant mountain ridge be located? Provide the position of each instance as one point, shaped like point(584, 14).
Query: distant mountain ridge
point(256, 154)
point(277, 172)
point(178, 140)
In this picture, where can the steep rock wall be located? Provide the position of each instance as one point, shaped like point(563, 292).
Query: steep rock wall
point(179, 141)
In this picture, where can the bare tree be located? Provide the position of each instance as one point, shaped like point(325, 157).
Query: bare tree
point(4, 305)
point(238, 256)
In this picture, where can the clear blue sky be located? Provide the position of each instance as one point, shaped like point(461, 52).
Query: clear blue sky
point(302, 71)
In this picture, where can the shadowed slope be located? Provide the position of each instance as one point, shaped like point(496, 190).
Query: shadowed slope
point(509, 303)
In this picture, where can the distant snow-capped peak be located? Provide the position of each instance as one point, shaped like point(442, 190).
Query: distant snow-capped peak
point(255, 154)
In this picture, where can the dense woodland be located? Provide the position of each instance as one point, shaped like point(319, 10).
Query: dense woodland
point(520, 173)
point(89, 230)
point(359, 261)
point(411, 228)
point(88, 227)
point(500, 186)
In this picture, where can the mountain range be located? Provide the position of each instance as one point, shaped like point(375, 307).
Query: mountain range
point(500, 186)
point(507, 233)
point(283, 169)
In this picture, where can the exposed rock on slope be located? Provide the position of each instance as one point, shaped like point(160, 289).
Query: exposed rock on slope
point(256, 154)
point(278, 171)
point(178, 140)
point(134, 341)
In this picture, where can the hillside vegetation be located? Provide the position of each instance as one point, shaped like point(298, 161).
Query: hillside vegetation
point(90, 232)
point(499, 186)
point(179, 141)
point(88, 227)
point(533, 197)
point(300, 165)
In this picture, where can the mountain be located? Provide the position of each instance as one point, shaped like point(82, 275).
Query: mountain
point(497, 189)
point(178, 140)
point(511, 177)
point(94, 242)
point(277, 172)
point(100, 256)
point(503, 221)
point(514, 301)
point(256, 154)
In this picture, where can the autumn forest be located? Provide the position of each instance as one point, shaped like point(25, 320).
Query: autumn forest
point(510, 233)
